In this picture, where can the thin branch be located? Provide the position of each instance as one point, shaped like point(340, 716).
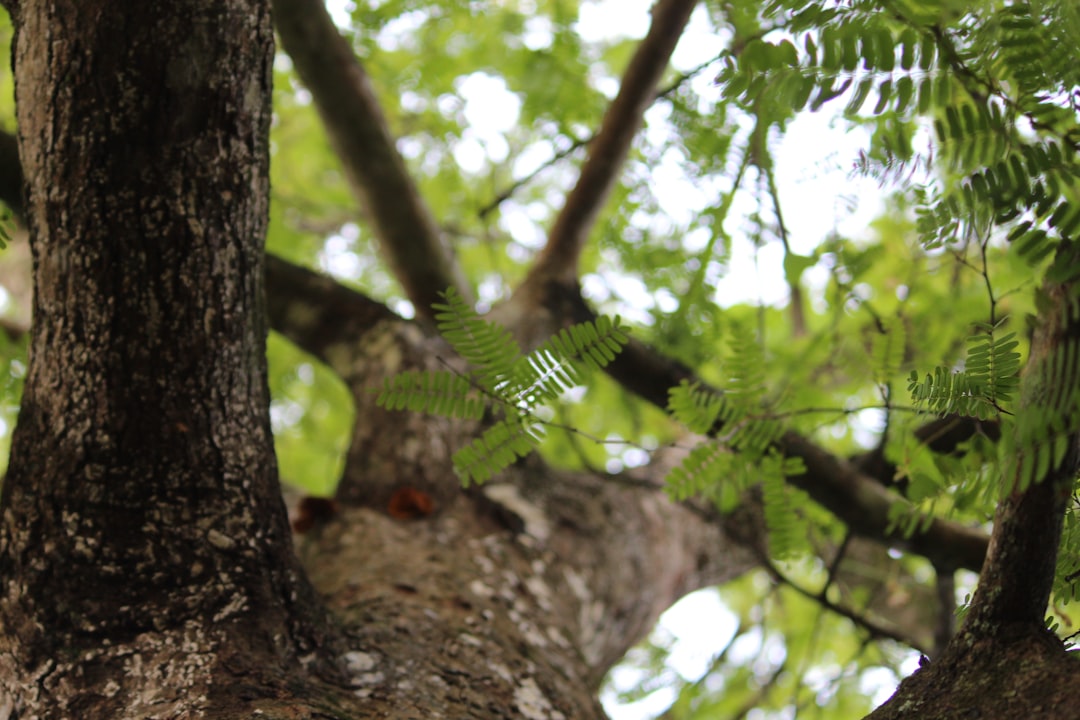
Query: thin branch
point(608, 151)
point(578, 143)
point(875, 630)
point(798, 315)
point(357, 127)
point(834, 565)
point(761, 691)
point(509, 191)
point(838, 485)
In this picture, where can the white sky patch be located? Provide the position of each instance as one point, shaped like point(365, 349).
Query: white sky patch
point(538, 33)
point(699, 44)
point(818, 196)
point(532, 158)
point(701, 626)
point(339, 11)
point(490, 112)
point(338, 256)
point(613, 19)
point(525, 230)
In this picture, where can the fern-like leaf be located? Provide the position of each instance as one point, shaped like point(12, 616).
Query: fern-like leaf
point(496, 449)
point(700, 472)
point(987, 384)
point(696, 408)
point(887, 350)
point(486, 345)
point(560, 363)
point(437, 392)
point(786, 529)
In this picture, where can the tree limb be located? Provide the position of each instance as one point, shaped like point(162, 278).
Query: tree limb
point(343, 95)
point(317, 313)
point(862, 503)
point(1021, 563)
point(608, 150)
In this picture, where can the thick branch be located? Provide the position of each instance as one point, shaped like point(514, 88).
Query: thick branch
point(345, 99)
point(857, 499)
point(608, 151)
point(317, 313)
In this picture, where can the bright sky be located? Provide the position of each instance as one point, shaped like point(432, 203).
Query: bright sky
point(818, 195)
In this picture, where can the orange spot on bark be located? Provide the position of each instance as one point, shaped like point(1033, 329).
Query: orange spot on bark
point(409, 503)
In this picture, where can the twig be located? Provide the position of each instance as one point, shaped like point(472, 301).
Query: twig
point(876, 630)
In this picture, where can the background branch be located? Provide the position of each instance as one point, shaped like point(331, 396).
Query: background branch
point(317, 313)
point(608, 150)
point(857, 499)
point(357, 128)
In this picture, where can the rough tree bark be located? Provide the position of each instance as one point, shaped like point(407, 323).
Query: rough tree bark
point(145, 551)
point(147, 563)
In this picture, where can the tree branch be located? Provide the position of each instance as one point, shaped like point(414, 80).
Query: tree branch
point(317, 313)
point(329, 316)
point(854, 497)
point(1020, 565)
point(608, 151)
point(874, 628)
point(407, 232)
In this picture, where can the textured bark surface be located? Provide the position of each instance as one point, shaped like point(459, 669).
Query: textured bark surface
point(146, 566)
point(145, 551)
point(511, 600)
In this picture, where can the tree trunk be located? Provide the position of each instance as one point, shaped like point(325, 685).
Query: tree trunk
point(145, 551)
point(1004, 662)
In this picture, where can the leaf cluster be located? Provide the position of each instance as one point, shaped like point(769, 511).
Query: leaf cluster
point(982, 389)
point(502, 384)
point(740, 451)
